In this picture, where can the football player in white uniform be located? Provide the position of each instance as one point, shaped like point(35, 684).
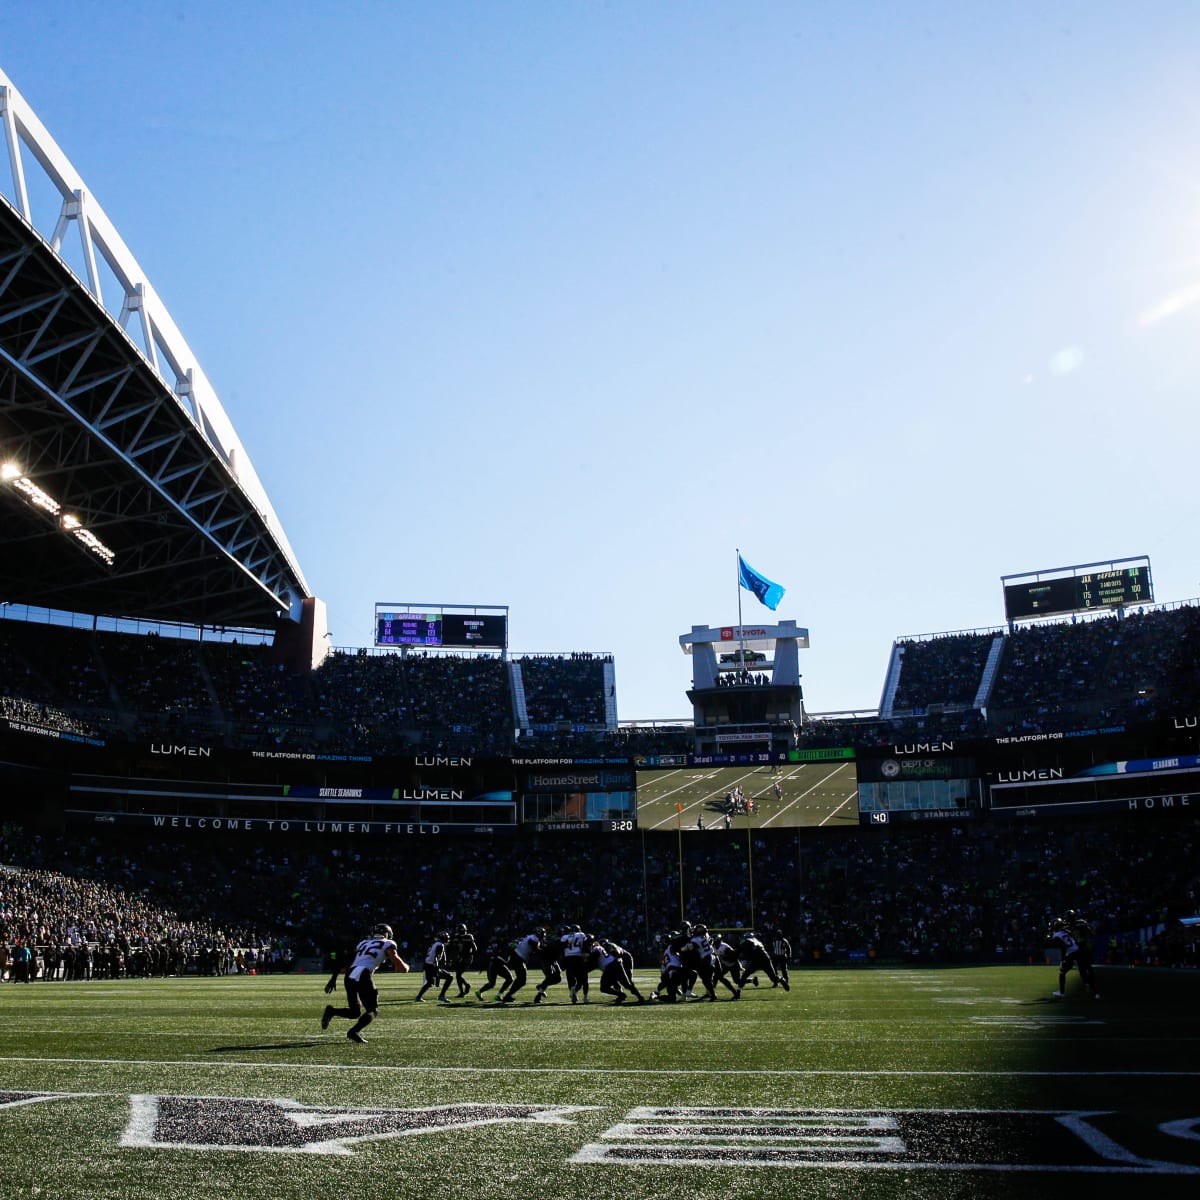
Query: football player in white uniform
point(362, 996)
point(577, 949)
point(615, 975)
point(522, 954)
point(436, 970)
point(1069, 936)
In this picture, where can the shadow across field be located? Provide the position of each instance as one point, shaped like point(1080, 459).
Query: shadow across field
point(267, 1046)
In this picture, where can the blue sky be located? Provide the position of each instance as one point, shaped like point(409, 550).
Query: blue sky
point(557, 305)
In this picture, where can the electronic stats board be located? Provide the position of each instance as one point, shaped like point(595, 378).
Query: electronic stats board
point(435, 627)
point(1119, 587)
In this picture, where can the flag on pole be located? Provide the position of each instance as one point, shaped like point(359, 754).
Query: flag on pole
point(768, 593)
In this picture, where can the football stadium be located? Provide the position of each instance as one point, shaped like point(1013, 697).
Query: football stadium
point(433, 916)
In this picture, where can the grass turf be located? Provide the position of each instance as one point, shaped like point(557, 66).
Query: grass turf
point(954, 1051)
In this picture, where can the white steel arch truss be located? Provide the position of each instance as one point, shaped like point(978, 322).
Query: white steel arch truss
point(137, 426)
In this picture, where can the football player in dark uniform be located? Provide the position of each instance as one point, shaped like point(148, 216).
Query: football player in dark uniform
point(463, 950)
point(672, 969)
point(497, 969)
point(699, 956)
point(513, 964)
point(551, 953)
point(362, 996)
point(755, 958)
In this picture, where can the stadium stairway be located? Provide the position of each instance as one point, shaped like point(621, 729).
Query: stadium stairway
point(517, 686)
point(610, 694)
point(988, 678)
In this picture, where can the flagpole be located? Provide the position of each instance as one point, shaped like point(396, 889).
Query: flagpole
point(741, 630)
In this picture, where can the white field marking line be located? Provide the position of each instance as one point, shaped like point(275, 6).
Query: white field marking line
point(796, 799)
point(611, 1154)
point(176, 1064)
point(853, 796)
point(712, 795)
point(49, 1096)
point(704, 799)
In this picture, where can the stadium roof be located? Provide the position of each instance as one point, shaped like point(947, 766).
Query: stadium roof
point(124, 489)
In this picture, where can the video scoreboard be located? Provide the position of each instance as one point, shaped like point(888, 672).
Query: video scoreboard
point(1117, 586)
point(441, 627)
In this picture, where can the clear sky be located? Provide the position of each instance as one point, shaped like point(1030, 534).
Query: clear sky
point(555, 305)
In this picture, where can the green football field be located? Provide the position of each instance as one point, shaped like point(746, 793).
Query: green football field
point(880, 1083)
point(821, 793)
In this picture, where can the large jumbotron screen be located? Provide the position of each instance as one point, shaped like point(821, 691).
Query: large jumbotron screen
point(441, 626)
point(701, 793)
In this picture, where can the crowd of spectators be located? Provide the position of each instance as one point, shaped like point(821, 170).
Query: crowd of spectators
point(743, 678)
point(564, 691)
point(1055, 675)
point(1050, 676)
point(944, 670)
point(105, 912)
point(964, 892)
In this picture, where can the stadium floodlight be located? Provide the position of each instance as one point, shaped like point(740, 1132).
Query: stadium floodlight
point(37, 497)
point(88, 539)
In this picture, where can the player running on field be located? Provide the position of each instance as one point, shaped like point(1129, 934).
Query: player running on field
point(755, 958)
point(1068, 935)
point(517, 960)
point(362, 996)
point(435, 969)
point(497, 969)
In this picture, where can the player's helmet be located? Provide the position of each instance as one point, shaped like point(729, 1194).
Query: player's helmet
point(699, 929)
point(382, 930)
point(444, 936)
point(460, 929)
point(576, 928)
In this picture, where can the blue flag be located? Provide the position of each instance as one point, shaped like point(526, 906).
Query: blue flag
point(769, 593)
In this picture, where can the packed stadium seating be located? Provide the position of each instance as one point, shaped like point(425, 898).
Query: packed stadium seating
point(964, 893)
point(968, 891)
point(1056, 675)
point(1048, 676)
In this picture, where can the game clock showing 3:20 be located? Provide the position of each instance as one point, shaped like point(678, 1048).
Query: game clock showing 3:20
point(1078, 593)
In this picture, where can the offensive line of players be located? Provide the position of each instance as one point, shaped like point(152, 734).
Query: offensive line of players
point(692, 957)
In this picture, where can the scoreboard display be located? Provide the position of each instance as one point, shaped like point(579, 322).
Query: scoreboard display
point(1117, 588)
point(408, 629)
point(441, 629)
